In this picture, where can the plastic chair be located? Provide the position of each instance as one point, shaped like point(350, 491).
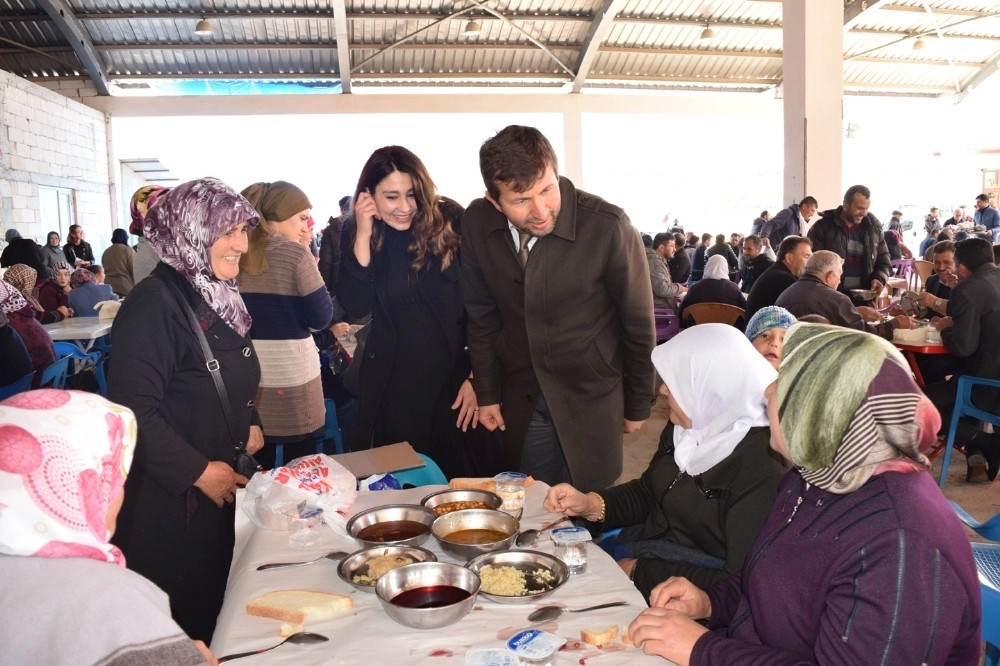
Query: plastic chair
point(988, 564)
point(923, 269)
point(428, 475)
point(667, 324)
point(54, 376)
point(86, 359)
point(988, 530)
point(279, 452)
point(332, 431)
point(713, 313)
point(964, 407)
point(17, 386)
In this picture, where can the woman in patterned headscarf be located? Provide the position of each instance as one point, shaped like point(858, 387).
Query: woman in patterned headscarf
point(63, 464)
point(24, 278)
point(22, 319)
point(288, 300)
point(176, 526)
point(145, 256)
point(53, 288)
point(861, 559)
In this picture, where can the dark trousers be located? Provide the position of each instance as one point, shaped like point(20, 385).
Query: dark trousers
point(542, 455)
point(943, 395)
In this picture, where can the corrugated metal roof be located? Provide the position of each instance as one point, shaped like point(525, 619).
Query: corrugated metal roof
point(890, 48)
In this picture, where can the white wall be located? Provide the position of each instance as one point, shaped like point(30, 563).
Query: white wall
point(49, 140)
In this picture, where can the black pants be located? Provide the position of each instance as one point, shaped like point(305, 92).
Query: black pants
point(542, 455)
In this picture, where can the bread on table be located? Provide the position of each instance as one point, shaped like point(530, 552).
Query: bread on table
point(286, 629)
point(599, 635)
point(299, 606)
point(481, 483)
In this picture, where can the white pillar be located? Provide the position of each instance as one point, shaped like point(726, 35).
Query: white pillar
point(813, 98)
point(573, 143)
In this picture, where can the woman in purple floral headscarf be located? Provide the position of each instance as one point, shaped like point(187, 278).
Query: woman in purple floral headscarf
point(176, 527)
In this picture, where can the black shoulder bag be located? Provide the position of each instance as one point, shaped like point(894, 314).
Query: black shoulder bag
point(243, 462)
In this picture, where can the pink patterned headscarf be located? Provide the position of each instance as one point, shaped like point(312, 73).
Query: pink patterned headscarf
point(182, 228)
point(142, 201)
point(64, 456)
point(11, 299)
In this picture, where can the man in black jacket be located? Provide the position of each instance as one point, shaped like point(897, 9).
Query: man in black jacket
point(793, 253)
point(789, 221)
point(970, 333)
point(856, 235)
point(754, 263)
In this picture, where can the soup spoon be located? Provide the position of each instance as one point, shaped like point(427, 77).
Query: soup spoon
point(301, 638)
point(527, 538)
point(336, 556)
point(546, 613)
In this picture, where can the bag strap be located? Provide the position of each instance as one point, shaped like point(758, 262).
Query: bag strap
point(210, 363)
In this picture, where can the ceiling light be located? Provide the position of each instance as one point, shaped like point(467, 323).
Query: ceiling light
point(472, 28)
point(919, 44)
point(203, 28)
point(707, 33)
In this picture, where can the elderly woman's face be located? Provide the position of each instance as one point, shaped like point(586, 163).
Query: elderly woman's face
point(54, 240)
point(677, 415)
point(62, 277)
point(226, 252)
point(769, 344)
point(777, 441)
point(293, 227)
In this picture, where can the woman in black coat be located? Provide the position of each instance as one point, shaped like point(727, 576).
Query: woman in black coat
point(176, 527)
point(400, 264)
point(715, 287)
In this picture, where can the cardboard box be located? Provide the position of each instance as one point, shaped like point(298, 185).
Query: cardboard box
point(380, 460)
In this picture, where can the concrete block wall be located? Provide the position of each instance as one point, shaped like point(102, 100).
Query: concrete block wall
point(48, 139)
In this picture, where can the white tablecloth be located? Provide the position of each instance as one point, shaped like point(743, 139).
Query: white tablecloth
point(369, 637)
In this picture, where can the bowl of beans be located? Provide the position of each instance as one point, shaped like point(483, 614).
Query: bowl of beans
point(446, 501)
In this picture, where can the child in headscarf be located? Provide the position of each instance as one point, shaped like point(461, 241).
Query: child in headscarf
point(697, 508)
point(861, 559)
point(63, 461)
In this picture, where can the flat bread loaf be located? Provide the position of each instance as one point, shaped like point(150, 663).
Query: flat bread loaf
point(299, 606)
point(483, 483)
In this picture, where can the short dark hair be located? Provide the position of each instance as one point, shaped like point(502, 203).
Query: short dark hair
point(944, 246)
point(809, 201)
point(943, 235)
point(662, 238)
point(680, 240)
point(789, 245)
point(517, 155)
point(706, 237)
point(720, 239)
point(763, 213)
point(973, 252)
point(856, 189)
point(345, 203)
point(647, 240)
point(983, 197)
point(754, 239)
point(896, 212)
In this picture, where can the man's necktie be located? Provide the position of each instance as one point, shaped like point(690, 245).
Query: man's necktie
point(522, 251)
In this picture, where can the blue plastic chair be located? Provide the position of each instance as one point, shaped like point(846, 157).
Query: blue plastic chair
point(988, 564)
point(428, 475)
point(85, 359)
point(279, 452)
point(988, 530)
point(17, 386)
point(54, 376)
point(332, 431)
point(964, 407)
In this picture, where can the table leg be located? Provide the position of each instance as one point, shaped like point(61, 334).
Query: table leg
point(911, 358)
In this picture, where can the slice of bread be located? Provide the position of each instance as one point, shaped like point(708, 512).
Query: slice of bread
point(484, 483)
point(599, 635)
point(299, 606)
point(286, 630)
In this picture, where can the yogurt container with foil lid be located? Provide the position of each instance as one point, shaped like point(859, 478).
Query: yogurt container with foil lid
point(538, 648)
point(491, 657)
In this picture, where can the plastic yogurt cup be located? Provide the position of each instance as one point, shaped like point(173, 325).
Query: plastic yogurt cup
point(491, 657)
point(538, 648)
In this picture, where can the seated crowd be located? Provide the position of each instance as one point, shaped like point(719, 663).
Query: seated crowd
point(802, 418)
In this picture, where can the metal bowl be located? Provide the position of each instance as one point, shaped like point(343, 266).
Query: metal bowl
point(390, 513)
point(357, 563)
point(491, 500)
point(526, 561)
point(473, 519)
point(427, 574)
point(864, 294)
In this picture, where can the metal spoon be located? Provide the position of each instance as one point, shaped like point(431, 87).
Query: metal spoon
point(336, 556)
point(527, 538)
point(546, 613)
point(301, 638)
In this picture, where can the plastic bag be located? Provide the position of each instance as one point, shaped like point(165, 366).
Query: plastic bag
point(315, 480)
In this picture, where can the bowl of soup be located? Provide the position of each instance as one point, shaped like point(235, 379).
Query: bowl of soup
point(428, 595)
point(472, 532)
point(392, 525)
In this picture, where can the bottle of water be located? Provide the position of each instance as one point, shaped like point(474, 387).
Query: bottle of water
point(933, 335)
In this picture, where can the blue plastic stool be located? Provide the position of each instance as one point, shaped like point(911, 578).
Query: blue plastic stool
point(988, 530)
point(54, 376)
point(95, 357)
point(428, 475)
point(988, 563)
point(332, 431)
point(964, 407)
point(17, 386)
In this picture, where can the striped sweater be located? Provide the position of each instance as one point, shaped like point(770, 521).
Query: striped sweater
point(287, 302)
point(883, 575)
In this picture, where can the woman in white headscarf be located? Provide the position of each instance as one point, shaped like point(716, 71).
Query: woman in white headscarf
point(714, 287)
point(697, 508)
point(63, 463)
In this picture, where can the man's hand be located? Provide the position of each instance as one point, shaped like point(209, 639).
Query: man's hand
point(869, 314)
point(945, 322)
point(491, 418)
point(632, 426)
point(666, 633)
point(765, 241)
point(903, 321)
point(877, 287)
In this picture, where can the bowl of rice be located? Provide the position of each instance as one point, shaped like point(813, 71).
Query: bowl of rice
point(363, 568)
point(518, 576)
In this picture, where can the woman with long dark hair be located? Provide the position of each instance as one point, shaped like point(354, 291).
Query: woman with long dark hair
point(401, 266)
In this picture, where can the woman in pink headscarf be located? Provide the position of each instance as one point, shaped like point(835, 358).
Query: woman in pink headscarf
point(63, 464)
point(22, 319)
